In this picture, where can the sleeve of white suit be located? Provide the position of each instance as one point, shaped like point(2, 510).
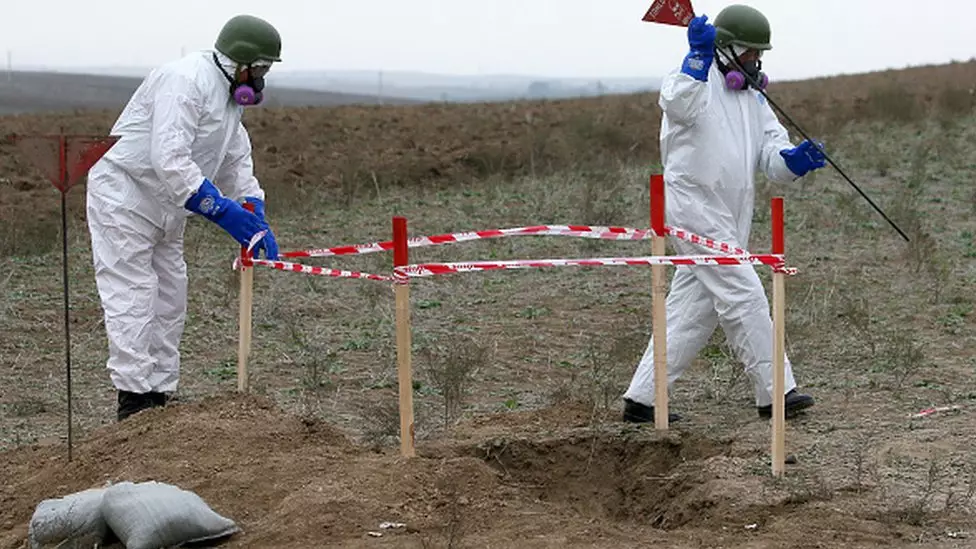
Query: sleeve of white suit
point(683, 98)
point(236, 174)
point(775, 139)
point(176, 112)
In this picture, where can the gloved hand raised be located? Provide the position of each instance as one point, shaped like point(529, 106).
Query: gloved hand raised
point(701, 39)
point(267, 243)
point(241, 224)
point(806, 157)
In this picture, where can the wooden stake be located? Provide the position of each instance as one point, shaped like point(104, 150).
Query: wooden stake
point(779, 344)
point(659, 284)
point(244, 315)
point(404, 373)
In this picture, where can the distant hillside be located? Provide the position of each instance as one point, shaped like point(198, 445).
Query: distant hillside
point(34, 92)
point(463, 88)
point(424, 86)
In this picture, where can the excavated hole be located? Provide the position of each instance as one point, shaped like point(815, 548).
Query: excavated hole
point(611, 477)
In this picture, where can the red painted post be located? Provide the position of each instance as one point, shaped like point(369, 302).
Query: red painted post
point(778, 442)
point(657, 204)
point(404, 368)
point(245, 255)
point(659, 295)
point(400, 250)
point(779, 233)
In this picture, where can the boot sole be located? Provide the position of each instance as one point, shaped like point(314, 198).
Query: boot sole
point(791, 411)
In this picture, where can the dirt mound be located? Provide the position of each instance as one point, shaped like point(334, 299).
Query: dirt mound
point(295, 482)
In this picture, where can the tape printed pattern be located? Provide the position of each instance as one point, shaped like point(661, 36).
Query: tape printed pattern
point(738, 256)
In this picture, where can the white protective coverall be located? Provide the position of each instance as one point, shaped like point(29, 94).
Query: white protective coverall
point(713, 141)
point(180, 126)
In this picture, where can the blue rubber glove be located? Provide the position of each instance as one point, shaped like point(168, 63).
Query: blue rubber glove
point(267, 244)
point(701, 39)
point(239, 223)
point(806, 157)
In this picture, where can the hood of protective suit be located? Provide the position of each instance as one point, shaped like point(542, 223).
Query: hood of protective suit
point(180, 126)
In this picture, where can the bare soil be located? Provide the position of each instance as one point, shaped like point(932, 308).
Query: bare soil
point(538, 480)
point(518, 374)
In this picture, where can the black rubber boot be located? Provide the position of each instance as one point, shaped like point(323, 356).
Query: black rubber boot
point(159, 399)
point(795, 402)
point(132, 403)
point(635, 412)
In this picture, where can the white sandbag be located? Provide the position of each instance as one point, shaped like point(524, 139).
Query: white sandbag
point(74, 520)
point(154, 515)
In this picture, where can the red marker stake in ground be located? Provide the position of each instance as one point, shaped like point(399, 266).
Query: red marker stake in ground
point(64, 159)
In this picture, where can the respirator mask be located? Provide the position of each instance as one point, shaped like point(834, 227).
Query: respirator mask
point(247, 84)
point(735, 74)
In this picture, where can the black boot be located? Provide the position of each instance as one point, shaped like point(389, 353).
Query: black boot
point(794, 403)
point(159, 399)
point(131, 403)
point(635, 412)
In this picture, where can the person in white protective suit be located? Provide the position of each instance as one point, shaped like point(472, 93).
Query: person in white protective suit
point(717, 132)
point(182, 150)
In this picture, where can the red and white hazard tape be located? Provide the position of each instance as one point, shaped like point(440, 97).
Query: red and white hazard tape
point(311, 270)
point(738, 255)
point(433, 269)
point(582, 231)
point(688, 236)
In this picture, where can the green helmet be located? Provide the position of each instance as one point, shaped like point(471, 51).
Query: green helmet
point(743, 26)
point(247, 39)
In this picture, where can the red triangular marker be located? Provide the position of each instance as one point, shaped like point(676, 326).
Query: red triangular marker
point(83, 153)
point(670, 12)
point(63, 168)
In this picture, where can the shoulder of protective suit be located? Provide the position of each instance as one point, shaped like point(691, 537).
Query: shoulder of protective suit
point(191, 75)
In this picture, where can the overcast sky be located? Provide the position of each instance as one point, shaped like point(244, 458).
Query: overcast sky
point(541, 37)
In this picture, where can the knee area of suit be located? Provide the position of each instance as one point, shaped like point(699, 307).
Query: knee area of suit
point(740, 309)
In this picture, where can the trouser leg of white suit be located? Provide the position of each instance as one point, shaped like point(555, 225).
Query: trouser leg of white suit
point(740, 305)
point(122, 250)
point(170, 310)
point(691, 320)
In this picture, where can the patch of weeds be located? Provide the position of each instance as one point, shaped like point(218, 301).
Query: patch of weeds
point(226, 370)
point(363, 342)
point(27, 407)
point(511, 403)
point(381, 422)
point(954, 320)
point(891, 102)
point(317, 361)
point(725, 371)
point(594, 372)
point(450, 369)
point(602, 200)
point(532, 311)
point(805, 488)
point(857, 314)
point(901, 355)
point(922, 505)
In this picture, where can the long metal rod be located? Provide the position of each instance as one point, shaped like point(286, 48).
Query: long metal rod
point(63, 175)
point(804, 134)
point(67, 323)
